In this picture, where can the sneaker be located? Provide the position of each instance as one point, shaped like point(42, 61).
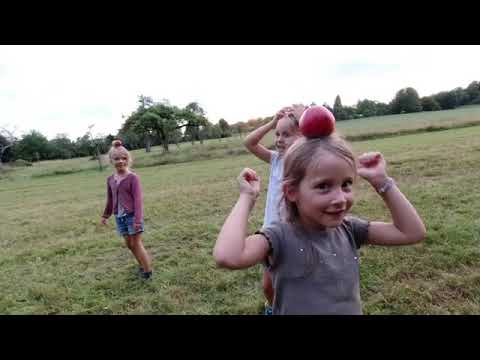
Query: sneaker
point(268, 309)
point(140, 271)
point(147, 275)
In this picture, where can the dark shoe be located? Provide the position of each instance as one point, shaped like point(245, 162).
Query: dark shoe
point(147, 275)
point(268, 309)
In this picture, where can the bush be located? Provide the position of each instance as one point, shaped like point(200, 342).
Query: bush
point(21, 163)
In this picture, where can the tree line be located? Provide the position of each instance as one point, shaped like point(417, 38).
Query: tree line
point(407, 100)
point(155, 123)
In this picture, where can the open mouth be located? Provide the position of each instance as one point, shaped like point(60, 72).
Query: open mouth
point(335, 213)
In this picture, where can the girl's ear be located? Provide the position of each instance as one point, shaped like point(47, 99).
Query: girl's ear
point(290, 192)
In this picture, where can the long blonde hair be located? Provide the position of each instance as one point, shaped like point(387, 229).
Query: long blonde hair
point(305, 153)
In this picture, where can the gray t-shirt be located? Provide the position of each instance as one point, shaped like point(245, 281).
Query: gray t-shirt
point(316, 272)
point(273, 207)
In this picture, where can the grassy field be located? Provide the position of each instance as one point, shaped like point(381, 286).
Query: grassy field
point(393, 124)
point(56, 259)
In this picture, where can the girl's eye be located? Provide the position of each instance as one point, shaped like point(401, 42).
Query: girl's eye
point(322, 187)
point(347, 184)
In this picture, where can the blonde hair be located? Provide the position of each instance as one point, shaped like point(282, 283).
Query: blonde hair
point(296, 114)
point(118, 148)
point(305, 153)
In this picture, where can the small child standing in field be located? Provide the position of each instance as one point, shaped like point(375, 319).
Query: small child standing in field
point(285, 124)
point(313, 255)
point(125, 200)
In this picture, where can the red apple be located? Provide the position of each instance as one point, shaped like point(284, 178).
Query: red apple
point(317, 121)
point(373, 161)
point(250, 177)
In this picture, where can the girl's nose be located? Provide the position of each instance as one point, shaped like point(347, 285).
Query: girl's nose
point(339, 197)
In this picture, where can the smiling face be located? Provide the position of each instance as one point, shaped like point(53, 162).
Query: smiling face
point(286, 132)
point(121, 160)
point(324, 196)
point(317, 181)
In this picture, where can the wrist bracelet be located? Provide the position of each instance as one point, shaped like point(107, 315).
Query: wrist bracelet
point(389, 182)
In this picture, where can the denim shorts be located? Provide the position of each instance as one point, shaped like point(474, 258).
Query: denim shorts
point(125, 225)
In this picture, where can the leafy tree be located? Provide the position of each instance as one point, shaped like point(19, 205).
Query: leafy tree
point(33, 147)
point(461, 96)
point(328, 107)
point(338, 111)
point(62, 147)
point(473, 91)
point(382, 109)
point(406, 101)
point(196, 121)
point(225, 130)
point(367, 108)
point(7, 143)
point(429, 104)
point(446, 99)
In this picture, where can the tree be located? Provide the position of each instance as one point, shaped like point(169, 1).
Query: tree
point(7, 141)
point(473, 91)
point(225, 130)
point(367, 108)
point(240, 128)
point(145, 102)
point(196, 121)
point(406, 101)
point(429, 104)
point(461, 96)
point(349, 112)
point(216, 132)
point(33, 147)
point(161, 119)
point(95, 144)
point(164, 121)
point(206, 131)
point(130, 139)
point(382, 109)
point(327, 106)
point(338, 111)
point(446, 100)
point(83, 146)
point(62, 147)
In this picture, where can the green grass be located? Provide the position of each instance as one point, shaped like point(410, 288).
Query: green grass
point(56, 259)
point(412, 121)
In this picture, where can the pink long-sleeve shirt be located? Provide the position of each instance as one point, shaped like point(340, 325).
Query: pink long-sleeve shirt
point(128, 192)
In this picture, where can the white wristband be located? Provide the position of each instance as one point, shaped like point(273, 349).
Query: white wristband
point(387, 185)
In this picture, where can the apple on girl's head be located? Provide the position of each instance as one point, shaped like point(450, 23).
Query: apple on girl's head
point(317, 121)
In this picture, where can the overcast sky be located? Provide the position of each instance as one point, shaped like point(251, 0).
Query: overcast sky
point(64, 89)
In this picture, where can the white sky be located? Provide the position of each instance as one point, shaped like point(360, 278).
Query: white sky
point(64, 89)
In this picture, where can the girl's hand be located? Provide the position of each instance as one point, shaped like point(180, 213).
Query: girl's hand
point(249, 183)
point(372, 167)
point(297, 110)
point(103, 221)
point(280, 114)
point(137, 226)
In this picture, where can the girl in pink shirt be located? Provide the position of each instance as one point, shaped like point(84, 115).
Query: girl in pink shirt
point(124, 200)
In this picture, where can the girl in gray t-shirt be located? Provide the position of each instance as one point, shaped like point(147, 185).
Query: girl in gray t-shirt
point(285, 124)
point(313, 255)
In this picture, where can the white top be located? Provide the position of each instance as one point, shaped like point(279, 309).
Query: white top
point(273, 208)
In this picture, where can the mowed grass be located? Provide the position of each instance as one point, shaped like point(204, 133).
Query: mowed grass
point(56, 259)
point(358, 129)
point(392, 124)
